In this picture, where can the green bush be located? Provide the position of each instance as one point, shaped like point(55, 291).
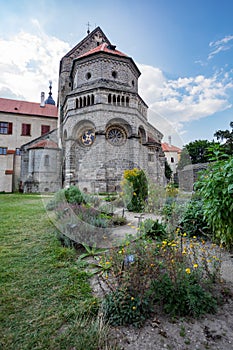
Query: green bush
point(215, 187)
point(183, 297)
point(74, 195)
point(153, 229)
point(58, 198)
point(122, 307)
point(193, 221)
point(135, 187)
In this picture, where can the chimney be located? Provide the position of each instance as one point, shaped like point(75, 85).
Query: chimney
point(170, 140)
point(42, 103)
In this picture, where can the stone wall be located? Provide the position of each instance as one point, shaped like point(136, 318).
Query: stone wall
point(189, 174)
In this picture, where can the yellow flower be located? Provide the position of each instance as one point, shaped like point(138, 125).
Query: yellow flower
point(188, 271)
point(107, 262)
point(185, 234)
point(173, 245)
point(134, 307)
point(195, 266)
point(194, 237)
point(120, 252)
point(132, 298)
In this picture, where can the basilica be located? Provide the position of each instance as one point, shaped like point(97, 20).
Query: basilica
point(102, 126)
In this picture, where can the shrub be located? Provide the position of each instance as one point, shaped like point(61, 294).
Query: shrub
point(136, 188)
point(184, 296)
point(74, 195)
point(123, 307)
point(193, 221)
point(215, 187)
point(58, 198)
point(153, 229)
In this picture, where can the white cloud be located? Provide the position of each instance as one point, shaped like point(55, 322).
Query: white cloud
point(28, 62)
point(184, 99)
point(220, 45)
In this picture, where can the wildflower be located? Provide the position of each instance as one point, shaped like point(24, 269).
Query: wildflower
point(107, 262)
point(164, 242)
point(185, 234)
point(202, 241)
point(188, 271)
point(195, 266)
point(132, 298)
point(194, 237)
point(173, 244)
point(184, 251)
point(120, 252)
point(152, 265)
point(134, 307)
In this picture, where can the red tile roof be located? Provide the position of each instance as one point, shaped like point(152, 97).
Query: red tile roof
point(170, 148)
point(104, 48)
point(28, 108)
point(44, 144)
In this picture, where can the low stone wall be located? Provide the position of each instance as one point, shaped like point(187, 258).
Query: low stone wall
point(189, 175)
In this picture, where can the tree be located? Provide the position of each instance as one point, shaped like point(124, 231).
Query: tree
point(198, 151)
point(227, 137)
point(184, 159)
point(168, 171)
point(195, 152)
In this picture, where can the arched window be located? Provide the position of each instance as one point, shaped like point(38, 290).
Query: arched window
point(123, 100)
point(127, 101)
point(109, 98)
point(114, 99)
point(88, 100)
point(92, 99)
point(84, 101)
point(77, 103)
point(80, 102)
point(118, 100)
point(172, 160)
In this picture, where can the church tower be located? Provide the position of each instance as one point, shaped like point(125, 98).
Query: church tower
point(103, 121)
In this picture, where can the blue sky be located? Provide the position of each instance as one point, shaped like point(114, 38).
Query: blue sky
point(184, 50)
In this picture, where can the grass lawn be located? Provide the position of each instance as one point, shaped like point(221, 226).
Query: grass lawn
point(45, 298)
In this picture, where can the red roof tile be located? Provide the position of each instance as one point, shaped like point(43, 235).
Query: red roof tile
point(103, 48)
point(44, 144)
point(28, 108)
point(170, 148)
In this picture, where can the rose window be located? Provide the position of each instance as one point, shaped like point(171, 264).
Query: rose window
point(88, 137)
point(116, 135)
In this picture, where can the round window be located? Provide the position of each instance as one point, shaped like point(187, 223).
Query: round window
point(88, 137)
point(116, 135)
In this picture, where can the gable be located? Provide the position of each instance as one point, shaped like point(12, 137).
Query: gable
point(92, 40)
